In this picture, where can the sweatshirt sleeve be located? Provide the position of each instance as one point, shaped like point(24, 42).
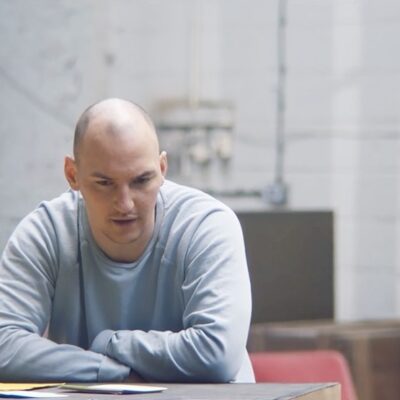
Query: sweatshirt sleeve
point(216, 318)
point(28, 272)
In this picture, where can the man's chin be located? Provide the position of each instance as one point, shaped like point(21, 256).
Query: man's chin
point(123, 239)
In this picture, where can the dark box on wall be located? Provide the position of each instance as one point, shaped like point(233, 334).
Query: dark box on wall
point(290, 258)
point(372, 349)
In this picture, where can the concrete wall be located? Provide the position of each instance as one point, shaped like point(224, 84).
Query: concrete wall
point(342, 121)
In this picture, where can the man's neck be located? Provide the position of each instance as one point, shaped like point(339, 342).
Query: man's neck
point(126, 252)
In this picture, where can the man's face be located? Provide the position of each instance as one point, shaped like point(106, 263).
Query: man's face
point(119, 176)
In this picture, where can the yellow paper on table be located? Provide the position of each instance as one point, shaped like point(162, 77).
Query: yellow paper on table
point(26, 386)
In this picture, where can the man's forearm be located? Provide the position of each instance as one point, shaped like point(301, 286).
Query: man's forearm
point(25, 356)
point(186, 356)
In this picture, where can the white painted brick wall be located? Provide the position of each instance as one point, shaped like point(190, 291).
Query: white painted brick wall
point(342, 120)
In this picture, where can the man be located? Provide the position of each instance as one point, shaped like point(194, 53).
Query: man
point(130, 274)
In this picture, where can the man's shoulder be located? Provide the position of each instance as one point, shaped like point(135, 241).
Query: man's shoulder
point(52, 226)
point(61, 211)
point(64, 206)
point(184, 205)
point(178, 195)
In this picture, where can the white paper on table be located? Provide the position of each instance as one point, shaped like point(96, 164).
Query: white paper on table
point(29, 394)
point(114, 388)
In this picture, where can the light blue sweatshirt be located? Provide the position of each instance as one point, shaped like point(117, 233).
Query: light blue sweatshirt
point(180, 313)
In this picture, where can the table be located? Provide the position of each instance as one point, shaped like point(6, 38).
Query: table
point(233, 391)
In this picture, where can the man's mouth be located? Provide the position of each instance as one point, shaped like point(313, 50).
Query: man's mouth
point(123, 221)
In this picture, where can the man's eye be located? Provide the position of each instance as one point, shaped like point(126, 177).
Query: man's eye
point(103, 183)
point(142, 180)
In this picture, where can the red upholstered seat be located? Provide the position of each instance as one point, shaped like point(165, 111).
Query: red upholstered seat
point(304, 367)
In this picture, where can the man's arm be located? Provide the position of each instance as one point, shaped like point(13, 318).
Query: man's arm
point(28, 273)
point(216, 318)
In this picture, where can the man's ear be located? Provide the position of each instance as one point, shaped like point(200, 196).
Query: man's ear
point(163, 163)
point(70, 172)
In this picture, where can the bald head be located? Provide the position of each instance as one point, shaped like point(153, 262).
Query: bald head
point(113, 117)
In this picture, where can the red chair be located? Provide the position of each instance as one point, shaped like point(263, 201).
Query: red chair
point(304, 367)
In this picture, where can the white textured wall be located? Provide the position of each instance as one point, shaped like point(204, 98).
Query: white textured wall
point(342, 122)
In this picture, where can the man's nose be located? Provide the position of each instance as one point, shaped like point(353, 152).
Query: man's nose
point(123, 201)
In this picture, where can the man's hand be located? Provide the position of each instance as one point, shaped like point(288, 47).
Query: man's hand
point(134, 378)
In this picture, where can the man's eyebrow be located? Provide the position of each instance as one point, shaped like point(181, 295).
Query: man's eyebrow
point(99, 175)
point(144, 174)
point(149, 172)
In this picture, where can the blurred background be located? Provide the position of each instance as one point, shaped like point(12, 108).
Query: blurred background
point(276, 107)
